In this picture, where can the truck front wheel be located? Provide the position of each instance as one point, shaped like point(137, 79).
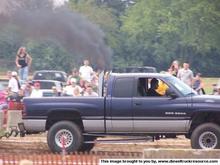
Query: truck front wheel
point(64, 135)
point(206, 136)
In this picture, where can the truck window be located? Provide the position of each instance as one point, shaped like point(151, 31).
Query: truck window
point(144, 87)
point(123, 87)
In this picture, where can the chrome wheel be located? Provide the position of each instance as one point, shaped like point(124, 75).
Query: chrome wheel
point(208, 140)
point(64, 138)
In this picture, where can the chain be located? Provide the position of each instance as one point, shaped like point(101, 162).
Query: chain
point(13, 132)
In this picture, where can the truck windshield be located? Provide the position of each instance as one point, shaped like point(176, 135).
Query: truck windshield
point(181, 86)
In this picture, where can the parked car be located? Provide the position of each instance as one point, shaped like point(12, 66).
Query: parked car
point(50, 75)
point(48, 87)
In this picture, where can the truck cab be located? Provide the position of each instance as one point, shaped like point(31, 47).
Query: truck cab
point(130, 109)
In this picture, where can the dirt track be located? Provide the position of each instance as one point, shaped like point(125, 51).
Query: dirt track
point(37, 145)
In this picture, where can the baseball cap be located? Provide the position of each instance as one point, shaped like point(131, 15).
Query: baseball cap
point(14, 73)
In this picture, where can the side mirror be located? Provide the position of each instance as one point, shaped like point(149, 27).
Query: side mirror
point(171, 93)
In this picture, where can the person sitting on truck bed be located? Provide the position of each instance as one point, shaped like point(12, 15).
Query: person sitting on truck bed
point(154, 83)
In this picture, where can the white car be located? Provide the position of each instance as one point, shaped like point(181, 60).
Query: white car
point(50, 75)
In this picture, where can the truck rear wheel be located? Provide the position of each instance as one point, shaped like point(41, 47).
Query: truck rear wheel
point(206, 136)
point(64, 135)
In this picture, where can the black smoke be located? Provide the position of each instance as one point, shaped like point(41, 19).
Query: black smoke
point(39, 19)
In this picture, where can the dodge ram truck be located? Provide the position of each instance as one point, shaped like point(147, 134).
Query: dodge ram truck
point(125, 108)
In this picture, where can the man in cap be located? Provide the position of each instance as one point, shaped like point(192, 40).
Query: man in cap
point(13, 84)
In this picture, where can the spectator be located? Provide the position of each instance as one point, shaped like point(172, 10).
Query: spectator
point(56, 93)
point(218, 91)
point(94, 82)
point(20, 95)
point(13, 85)
point(216, 88)
point(23, 62)
point(69, 89)
point(9, 74)
point(27, 88)
point(198, 85)
point(82, 84)
point(186, 75)
point(36, 92)
point(86, 84)
point(89, 92)
point(76, 91)
point(174, 68)
point(86, 71)
point(74, 74)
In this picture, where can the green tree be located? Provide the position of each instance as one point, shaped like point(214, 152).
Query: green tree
point(49, 54)
point(162, 30)
point(10, 41)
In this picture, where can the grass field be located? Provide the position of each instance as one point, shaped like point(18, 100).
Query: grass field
point(208, 84)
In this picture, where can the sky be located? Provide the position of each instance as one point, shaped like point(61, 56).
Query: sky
point(59, 2)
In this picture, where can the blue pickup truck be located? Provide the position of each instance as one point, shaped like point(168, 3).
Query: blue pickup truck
point(126, 108)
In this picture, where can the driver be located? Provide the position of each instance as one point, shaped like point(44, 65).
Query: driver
point(154, 84)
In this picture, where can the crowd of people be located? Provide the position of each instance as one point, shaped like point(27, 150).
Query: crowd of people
point(81, 82)
point(186, 75)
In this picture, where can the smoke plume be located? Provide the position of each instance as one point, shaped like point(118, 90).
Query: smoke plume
point(38, 19)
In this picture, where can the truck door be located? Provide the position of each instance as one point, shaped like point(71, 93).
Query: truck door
point(154, 114)
point(119, 113)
